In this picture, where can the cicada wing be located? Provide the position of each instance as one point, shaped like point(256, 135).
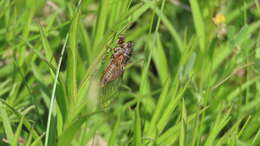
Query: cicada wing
point(109, 94)
point(111, 91)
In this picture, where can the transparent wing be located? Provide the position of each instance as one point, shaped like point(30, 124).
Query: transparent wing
point(110, 90)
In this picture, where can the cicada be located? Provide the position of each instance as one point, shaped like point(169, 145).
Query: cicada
point(120, 57)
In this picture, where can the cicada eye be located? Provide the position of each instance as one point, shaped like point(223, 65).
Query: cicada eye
point(128, 52)
point(120, 40)
point(130, 44)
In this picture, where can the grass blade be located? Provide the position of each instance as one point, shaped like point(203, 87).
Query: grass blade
point(7, 123)
point(137, 129)
point(17, 133)
point(53, 94)
point(199, 23)
point(72, 58)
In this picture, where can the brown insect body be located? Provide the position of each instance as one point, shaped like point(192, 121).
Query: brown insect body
point(119, 60)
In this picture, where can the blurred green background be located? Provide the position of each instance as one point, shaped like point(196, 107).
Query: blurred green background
point(193, 78)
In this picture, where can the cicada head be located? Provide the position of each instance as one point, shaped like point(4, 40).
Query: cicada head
point(130, 44)
point(121, 40)
point(128, 50)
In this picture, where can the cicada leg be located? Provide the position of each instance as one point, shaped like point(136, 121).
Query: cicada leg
point(107, 55)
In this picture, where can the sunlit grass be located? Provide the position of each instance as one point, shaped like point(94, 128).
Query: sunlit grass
point(193, 78)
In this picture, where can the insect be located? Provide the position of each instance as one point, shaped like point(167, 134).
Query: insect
point(121, 56)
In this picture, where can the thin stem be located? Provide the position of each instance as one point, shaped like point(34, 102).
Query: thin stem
point(53, 91)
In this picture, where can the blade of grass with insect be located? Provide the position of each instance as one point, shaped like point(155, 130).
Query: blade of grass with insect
point(93, 67)
point(85, 84)
point(79, 109)
point(180, 93)
point(106, 40)
point(98, 58)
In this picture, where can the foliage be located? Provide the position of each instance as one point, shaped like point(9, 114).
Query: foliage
point(193, 78)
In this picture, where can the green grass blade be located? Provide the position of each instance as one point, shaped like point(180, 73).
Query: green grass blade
point(236, 92)
point(6, 123)
point(160, 60)
point(29, 139)
point(170, 135)
point(26, 123)
point(220, 122)
point(158, 110)
point(112, 140)
point(72, 58)
point(168, 24)
point(53, 94)
point(46, 45)
point(199, 23)
point(86, 42)
point(37, 141)
point(170, 108)
point(183, 136)
point(71, 130)
point(17, 133)
point(101, 23)
point(137, 129)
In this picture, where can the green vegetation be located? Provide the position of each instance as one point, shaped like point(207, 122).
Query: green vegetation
point(193, 78)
